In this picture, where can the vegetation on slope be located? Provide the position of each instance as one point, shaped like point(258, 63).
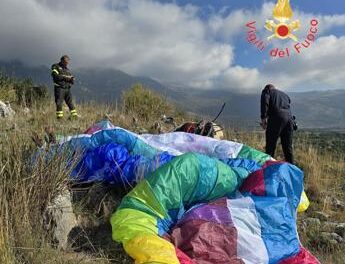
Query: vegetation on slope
point(25, 190)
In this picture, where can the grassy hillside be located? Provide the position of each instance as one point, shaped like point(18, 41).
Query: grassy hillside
point(26, 189)
point(315, 109)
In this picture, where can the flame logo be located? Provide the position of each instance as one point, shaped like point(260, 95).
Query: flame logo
point(282, 12)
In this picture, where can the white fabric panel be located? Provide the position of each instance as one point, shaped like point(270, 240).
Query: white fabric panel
point(250, 246)
point(177, 143)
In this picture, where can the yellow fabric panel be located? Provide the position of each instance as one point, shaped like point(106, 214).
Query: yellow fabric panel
point(151, 249)
point(304, 203)
point(144, 194)
point(128, 223)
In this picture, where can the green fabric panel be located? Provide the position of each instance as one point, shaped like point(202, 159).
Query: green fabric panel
point(174, 183)
point(144, 194)
point(253, 154)
point(181, 182)
point(128, 223)
point(227, 182)
point(177, 185)
point(133, 203)
point(206, 181)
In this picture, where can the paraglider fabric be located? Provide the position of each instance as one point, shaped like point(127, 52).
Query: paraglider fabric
point(198, 200)
point(192, 202)
point(115, 155)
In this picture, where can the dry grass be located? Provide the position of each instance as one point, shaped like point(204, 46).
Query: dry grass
point(26, 190)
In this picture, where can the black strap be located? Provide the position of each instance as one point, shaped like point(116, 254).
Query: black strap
point(220, 112)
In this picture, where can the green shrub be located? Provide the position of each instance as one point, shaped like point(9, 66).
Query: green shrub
point(7, 92)
point(29, 95)
point(23, 92)
point(144, 103)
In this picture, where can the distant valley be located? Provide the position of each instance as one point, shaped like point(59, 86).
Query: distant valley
point(314, 110)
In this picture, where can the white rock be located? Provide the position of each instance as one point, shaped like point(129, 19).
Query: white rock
point(310, 221)
point(330, 238)
point(340, 230)
point(60, 219)
point(26, 110)
point(321, 215)
point(6, 110)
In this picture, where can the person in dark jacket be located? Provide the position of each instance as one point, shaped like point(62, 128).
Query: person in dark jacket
point(63, 81)
point(276, 119)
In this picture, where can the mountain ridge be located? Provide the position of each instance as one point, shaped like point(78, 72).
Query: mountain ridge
point(314, 109)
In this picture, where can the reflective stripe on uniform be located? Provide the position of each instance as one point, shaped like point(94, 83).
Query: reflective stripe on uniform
point(56, 84)
point(74, 112)
point(56, 71)
point(59, 113)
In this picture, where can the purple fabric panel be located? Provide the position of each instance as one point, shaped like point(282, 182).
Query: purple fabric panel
point(216, 212)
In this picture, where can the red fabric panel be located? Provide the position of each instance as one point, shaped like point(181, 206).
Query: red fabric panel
point(92, 130)
point(207, 243)
point(255, 183)
point(303, 257)
point(272, 162)
point(183, 258)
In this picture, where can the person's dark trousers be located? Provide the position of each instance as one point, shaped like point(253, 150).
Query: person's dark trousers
point(63, 95)
point(280, 127)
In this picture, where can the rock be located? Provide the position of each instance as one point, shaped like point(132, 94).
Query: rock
point(340, 230)
point(321, 215)
point(5, 110)
point(330, 238)
point(60, 219)
point(336, 237)
point(338, 204)
point(26, 110)
point(310, 221)
point(329, 226)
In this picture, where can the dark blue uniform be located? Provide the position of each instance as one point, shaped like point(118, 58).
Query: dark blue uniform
point(275, 105)
point(62, 89)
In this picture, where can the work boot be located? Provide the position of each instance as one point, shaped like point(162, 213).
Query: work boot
point(74, 115)
point(59, 115)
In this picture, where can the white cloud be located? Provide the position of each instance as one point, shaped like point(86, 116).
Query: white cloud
point(240, 79)
point(141, 37)
point(233, 25)
point(321, 67)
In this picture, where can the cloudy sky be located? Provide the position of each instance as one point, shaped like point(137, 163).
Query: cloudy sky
point(198, 43)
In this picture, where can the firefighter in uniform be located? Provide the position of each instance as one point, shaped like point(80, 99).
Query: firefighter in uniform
point(277, 120)
point(63, 81)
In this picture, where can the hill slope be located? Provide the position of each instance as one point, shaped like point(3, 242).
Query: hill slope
point(314, 109)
